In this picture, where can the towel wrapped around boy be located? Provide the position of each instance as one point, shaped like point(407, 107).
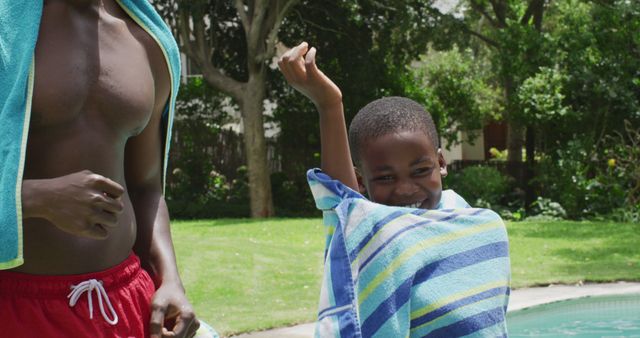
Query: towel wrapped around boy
point(403, 272)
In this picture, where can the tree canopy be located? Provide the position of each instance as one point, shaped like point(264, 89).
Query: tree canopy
point(560, 73)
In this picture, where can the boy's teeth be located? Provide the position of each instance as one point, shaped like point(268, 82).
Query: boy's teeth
point(414, 205)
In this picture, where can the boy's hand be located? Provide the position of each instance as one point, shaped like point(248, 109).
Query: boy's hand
point(298, 65)
point(83, 204)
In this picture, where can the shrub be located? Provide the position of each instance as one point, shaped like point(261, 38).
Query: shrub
point(544, 208)
point(563, 177)
point(219, 199)
point(628, 214)
point(481, 186)
point(622, 156)
point(231, 199)
point(601, 181)
point(292, 198)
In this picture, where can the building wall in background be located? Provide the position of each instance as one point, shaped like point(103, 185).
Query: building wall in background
point(466, 150)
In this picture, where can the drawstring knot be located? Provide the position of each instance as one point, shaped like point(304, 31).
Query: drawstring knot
point(88, 286)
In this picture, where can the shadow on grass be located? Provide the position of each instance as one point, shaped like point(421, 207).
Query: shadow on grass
point(586, 251)
point(611, 238)
point(611, 255)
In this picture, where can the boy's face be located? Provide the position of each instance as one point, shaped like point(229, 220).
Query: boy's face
point(402, 169)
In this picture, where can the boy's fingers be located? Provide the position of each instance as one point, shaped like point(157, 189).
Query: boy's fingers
point(298, 50)
point(295, 61)
point(310, 62)
point(286, 71)
point(300, 56)
point(293, 54)
point(297, 71)
point(286, 56)
point(285, 64)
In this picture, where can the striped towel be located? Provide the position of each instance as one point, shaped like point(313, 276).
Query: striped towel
point(402, 272)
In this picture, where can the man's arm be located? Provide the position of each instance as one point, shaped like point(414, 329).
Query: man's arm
point(143, 169)
point(298, 66)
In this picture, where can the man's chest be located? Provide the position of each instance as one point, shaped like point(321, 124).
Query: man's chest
point(103, 69)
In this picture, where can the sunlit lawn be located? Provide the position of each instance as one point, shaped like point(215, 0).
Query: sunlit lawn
point(570, 252)
point(244, 275)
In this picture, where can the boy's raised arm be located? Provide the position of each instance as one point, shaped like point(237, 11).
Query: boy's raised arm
point(298, 65)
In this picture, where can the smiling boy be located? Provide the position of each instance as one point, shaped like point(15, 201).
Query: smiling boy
point(393, 140)
point(395, 148)
point(419, 262)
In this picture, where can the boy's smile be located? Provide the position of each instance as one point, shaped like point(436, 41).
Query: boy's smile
point(403, 169)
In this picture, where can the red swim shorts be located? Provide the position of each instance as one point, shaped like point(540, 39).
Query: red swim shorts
point(111, 303)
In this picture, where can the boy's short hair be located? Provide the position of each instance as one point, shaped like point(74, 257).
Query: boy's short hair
point(387, 115)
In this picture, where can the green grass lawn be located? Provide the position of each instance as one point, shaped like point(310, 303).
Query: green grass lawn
point(245, 275)
point(543, 253)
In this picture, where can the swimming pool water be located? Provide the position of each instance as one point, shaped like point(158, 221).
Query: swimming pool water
point(602, 316)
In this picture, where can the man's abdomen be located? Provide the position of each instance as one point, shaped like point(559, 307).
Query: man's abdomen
point(49, 250)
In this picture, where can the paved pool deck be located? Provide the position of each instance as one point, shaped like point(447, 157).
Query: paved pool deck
point(520, 299)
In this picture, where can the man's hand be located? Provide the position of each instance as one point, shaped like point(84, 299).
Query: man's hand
point(172, 314)
point(298, 65)
point(83, 203)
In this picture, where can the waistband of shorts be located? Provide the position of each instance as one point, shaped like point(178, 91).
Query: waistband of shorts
point(23, 284)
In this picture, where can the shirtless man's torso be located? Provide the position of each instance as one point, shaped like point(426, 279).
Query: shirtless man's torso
point(92, 184)
point(101, 83)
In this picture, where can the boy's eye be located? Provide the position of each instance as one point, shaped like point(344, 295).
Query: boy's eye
point(422, 171)
point(383, 178)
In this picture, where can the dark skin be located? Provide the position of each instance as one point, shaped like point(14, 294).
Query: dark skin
point(402, 168)
point(92, 189)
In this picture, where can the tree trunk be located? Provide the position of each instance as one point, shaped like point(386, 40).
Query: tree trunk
point(515, 141)
point(515, 130)
point(261, 21)
point(255, 147)
point(515, 134)
point(531, 150)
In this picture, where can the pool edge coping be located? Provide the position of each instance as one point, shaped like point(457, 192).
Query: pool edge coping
point(528, 297)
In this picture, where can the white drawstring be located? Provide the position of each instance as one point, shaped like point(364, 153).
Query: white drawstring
point(89, 286)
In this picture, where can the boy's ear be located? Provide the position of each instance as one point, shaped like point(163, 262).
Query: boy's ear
point(442, 163)
point(361, 188)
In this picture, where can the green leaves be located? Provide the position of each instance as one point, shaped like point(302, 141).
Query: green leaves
point(541, 96)
point(454, 91)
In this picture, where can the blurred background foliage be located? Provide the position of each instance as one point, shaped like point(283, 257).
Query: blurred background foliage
point(564, 75)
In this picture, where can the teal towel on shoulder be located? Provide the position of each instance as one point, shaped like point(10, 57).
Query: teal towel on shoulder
point(19, 23)
point(404, 272)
